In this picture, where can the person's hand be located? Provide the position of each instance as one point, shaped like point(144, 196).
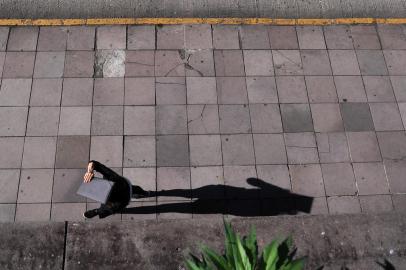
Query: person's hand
point(89, 174)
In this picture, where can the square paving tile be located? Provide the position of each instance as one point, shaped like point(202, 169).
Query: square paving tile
point(291, 89)
point(205, 150)
point(2, 59)
point(238, 149)
point(4, 33)
point(139, 120)
point(139, 91)
point(140, 63)
point(7, 212)
point(234, 119)
point(258, 63)
point(201, 90)
point(171, 119)
point(75, 121)
point(344, 205)
point(269, 149)
point(111, 218)
point(307, 180)
point(33, 212)
point(169, 64)
point(338, 37)
point(402, 109)
point(107, 120)
point(79, 64)
point(13, 121)
point(52, 38)
point(19, 65)
point(371, 178)
point(386, 116)
point(43, 121)
point(49, 64)
point(72, 152)
point(172, 150)
point(287, 62)
point(332, 147)
point(321, 89)
point(363, 146)
point(237, 186)
point(203, 119)
point(399, 202)
point(229, 63)
point(350, 89)
point(254, 37)
point(39, 152)
point(296, 118)
point(392, 144)
point(274, 177)
point(13, 146)
point(200, 63)
point(365, 37)
point(261, 89)
point(316, 62)
point(170, 90)
point(310, 37)
point(344, 62)
point(108, 91)
point(174, 179)
point(378, 89)
point(326, 117)
point(141, 37)
point(283, 37)
point(339, 179)
point(319, 206)
point(395, 60)
point(35, 186)
point(77, 92)
point(265, 118)
point(225, 37)
point(231, 90)
point(81, 38)
point(67, 211)
point(9, 181)
point(392, 36)
point(66, 183)
point(15, 92)
point(301, 148)
point(107, 150)
point(376, 203)
point(399, 87)
point(148, 216)
point(244, 207)
point(143, 177)
point(372, 62)
point(198, 36)
point(46, 92)
point(356, 116)
point(23, 39)
point(212, 176)
point(395, 171)
point(111, 37)
point(170, 37)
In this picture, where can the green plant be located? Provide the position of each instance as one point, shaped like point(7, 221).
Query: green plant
point(242, 254)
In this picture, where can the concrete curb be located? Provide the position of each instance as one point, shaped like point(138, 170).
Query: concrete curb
point(291, 9)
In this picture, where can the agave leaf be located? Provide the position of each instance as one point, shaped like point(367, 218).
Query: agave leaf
point(270, 255)
point(297, 264)
point(217, 260)
point(251, 247)
point(192, 266)
point(245, 262)
point(230, 238)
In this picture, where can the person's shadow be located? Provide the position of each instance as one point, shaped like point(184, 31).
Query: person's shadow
point(263, 200)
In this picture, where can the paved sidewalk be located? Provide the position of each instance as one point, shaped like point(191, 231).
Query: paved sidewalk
point(320, 111)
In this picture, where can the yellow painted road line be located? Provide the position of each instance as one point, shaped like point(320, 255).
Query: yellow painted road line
point(155, 21)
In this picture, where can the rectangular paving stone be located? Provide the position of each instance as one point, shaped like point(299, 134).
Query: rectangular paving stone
point(33, 212)
point(207, 176)
point(399, 202)
point(291, 89)
point(75, 121)
point(319, 206)
point(43, 121)
point(7, 212)
point(141, 37)
point(376, 203)
point(201, 90)
point(232, 90)
point(4, 33)
point(77, 92)
point(402, 109)
point(139, 120)
point(108, 91)
point(170, 90)
point(46, 92)
point(372, 62)
point(66, 184)
point(23, 39)
point(350, 89)
point(234, 119)
point(139, 91)
point(260, 90)
point(169, 64)
point(15, 92)
point(67, 211)
point(237, 149)
point(392, 144)
point(365, 37)
point(111, 218)
point(9, 181)
point(269, 149)
point(339, 179)
point(338, 37)
point(2, 59)
point(363, 146)
point(265, 118)
point(296, 118)
point(172, 150)
point(229, 63)
point(53, 38)
point(13, 146)
point(395, 60)
point(35, 186)
point(203, 119)
point(395, 171)
point(310, 37)
point(174, 178)
point(326, 117)
point(378, 89)
point(184, 206)
point(344, 205)
point(258, 63)
point(273, 176)
point(283, 37)
point(144, 177)
point(332, 147)
point(171, 119)
point(49, 64)
point(81, 38)
point(19, 65)
point(198, 36)
point(200, 63)
point(321, 89)
point(170, 37)
point(307, 180)
point(287, 62)
point(107, 150)
point(243, 207)
point(79, 64)
point(13, 121)
point(399, 87)
point(356, 116)
point(225, 37)
point(107, 120)
point(392, 36)
point(39, 152)
point(111, 37)
point(316, 62)
point(301, 148)
point(140, 63)
point(254, 37)
point(205, 150)
point(148, 216)
point(386, 116)
point(371, 178)
point(344, 62)
point(235, 177)
point(72, 152)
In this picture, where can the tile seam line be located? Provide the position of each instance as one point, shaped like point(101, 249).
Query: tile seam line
point(181, 20)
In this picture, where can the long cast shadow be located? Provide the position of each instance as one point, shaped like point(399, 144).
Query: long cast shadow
point(230, 200)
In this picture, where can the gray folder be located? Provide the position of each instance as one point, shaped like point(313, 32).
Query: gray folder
point(98, 189)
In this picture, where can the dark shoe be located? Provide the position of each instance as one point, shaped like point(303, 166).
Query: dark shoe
point(90, 213)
